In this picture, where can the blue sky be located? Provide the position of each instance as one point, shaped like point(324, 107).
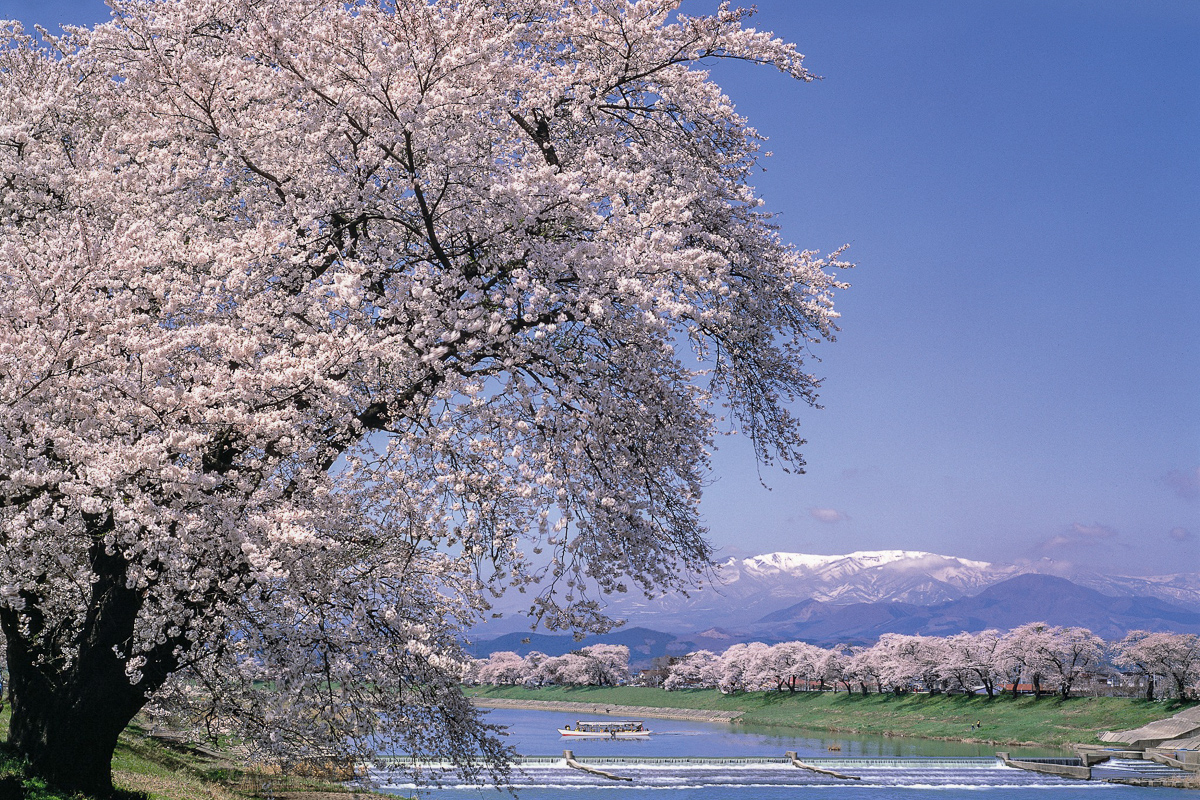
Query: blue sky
point(1018, 374)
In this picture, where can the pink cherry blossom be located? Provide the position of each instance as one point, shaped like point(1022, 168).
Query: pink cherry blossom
point(319, 317)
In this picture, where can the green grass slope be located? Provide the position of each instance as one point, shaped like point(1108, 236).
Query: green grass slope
point(148, 768)
point(1048, 721)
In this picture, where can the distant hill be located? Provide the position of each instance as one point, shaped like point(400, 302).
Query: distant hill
point(744, 590)
point(644, 644)
point(1005, 605)
point(858, 596)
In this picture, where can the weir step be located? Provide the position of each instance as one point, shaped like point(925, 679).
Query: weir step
point(709, 761)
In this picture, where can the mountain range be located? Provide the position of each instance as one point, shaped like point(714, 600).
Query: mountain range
point(855, 597)
point(1005, 605)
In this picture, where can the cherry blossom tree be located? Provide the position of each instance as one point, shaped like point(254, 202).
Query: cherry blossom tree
point(1173, 656)
point(571, 669)
point(547, 670)
point(1048, 657)
point(833, 667)
point(787, 663)
point(1023, 653)
point(974, 658)
point(908, 661)
point(744, 667)
point(606, 664)
point(1133, 653)
point(1068, 653)
point(866, 667)
point(699, 669)
point(531, 668)
point(503, 668)
point(595, 665)
point(319, 318)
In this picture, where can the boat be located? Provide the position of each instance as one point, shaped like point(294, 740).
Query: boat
point(606, 729)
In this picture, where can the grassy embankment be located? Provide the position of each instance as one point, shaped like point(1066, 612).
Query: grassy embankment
point(146, 768)
point(1048, 721)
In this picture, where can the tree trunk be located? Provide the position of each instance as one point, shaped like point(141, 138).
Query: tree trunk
point(70, 694)
point(68, 733)
point(1149, 686)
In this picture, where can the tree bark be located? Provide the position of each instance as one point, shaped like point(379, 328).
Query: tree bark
point(66, 727)
point(70, 694)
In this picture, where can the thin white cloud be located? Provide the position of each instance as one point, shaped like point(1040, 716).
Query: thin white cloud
point(828, 515)
point(1180, 534)
point(1092, 533)
point(1080, 535)
point(1185, 482)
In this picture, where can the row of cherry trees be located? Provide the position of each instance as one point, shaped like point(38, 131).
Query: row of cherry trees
point(595, 665)
point(1044, 657)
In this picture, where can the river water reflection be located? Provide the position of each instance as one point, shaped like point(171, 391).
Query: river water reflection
point(889, 768)
point(534, 733)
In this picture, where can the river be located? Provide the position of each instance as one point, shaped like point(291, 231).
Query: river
point(743, 762)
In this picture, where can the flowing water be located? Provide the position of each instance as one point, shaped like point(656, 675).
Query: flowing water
point(684, 760)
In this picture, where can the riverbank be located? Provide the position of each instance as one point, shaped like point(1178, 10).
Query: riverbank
point(1050, 721)
point(609, 709)
point(152, 767)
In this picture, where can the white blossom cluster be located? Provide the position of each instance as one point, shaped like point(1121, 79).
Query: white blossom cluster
point(319, 319)
point(1042, 657)
point(594, 665)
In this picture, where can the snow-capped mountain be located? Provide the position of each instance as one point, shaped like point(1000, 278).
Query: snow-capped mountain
point(1023, 598)
point(742, 591)
point(1182, 589)
point(714, 622)
point(868, 576)
point(746, 589)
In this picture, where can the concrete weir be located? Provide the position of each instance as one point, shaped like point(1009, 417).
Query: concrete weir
point(662, 772)
point(569, 757)
point(796, 762)
point(1063, 767)
point(1171, 730)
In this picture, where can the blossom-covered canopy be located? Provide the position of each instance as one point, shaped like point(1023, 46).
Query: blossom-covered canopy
point(317, 318)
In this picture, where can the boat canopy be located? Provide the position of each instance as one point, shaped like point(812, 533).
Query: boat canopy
point(609, 725)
